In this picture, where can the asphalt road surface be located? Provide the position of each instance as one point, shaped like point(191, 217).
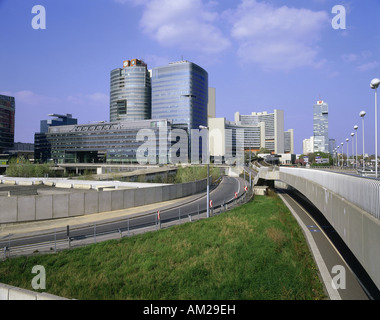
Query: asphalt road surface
point(340, 265)
point(223, 193)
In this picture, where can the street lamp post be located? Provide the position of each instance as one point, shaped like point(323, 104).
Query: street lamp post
point(362, 115)
point(374, 85)
point(347, 152)
point(337, 155)
point(356, 137)
point(342, 153)
point(353, 151)
point(208, 177)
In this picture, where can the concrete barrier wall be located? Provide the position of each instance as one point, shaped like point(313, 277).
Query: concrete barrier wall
point(358, 229)
point(13, 293)
point(72, 204)
point(361, 191)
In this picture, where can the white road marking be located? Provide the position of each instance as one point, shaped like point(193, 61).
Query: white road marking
point(326, 277)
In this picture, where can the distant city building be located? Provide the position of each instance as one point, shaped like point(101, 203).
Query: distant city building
point(130, 96)
point(42, 147)
point(227, 139)
point(7, 122)
point(321, 126)
point(274, 128)
point(59, 120)
point(308, 145)
point(287, 159)
point(180, 94)
point(332, 145)
point(21, 149)
point(211, 113)
point(289, 141)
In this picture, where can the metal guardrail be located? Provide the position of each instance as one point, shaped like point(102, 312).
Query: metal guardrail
point(361, 191)
point(76, 237)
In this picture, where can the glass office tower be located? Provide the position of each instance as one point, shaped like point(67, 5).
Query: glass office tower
point(130, 97)
point(180, 94)
point(7, 122)
point(321, 126)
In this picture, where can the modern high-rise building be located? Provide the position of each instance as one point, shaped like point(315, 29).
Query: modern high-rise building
point(274, 127)
point(130, 97)
point(7, 122)
point(321, 126)
point(180, 94)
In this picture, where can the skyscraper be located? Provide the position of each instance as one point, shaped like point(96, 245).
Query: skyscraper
point(130, 97)
point(180, 94)
point(7, 122)
point(321, 126)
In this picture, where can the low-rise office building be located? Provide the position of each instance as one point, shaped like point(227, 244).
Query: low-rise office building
point(143, 141)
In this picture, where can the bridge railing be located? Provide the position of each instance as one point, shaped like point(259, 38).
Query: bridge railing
point(363, 192)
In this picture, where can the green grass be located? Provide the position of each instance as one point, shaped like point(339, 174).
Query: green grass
point(256, 251)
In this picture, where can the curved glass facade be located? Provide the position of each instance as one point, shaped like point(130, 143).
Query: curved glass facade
point(130, 97)
point(180, 94)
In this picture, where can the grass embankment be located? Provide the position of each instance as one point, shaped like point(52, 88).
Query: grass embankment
point(256, 251)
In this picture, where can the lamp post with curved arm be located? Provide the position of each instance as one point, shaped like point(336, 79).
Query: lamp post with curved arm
point(356, 147)
point(362, 115)
point(374, 85)
point(337, 156)
point(208, 177)
point(353, 151)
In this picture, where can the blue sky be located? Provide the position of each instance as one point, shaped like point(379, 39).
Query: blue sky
point(260, 56)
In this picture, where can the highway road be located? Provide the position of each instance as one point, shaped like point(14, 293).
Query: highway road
point(335, 261)
point(223, 193)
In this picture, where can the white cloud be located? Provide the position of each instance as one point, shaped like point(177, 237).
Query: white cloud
point(361, 60)
point(350, 57)
point(155, 61)
point(97, 98)
point(368, 66)
point(278, 38)
point(186, 24)
point(30, 98)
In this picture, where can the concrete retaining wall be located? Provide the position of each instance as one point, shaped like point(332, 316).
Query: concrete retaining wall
point(358, 229)
point(13, 293)
point(45, 207)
